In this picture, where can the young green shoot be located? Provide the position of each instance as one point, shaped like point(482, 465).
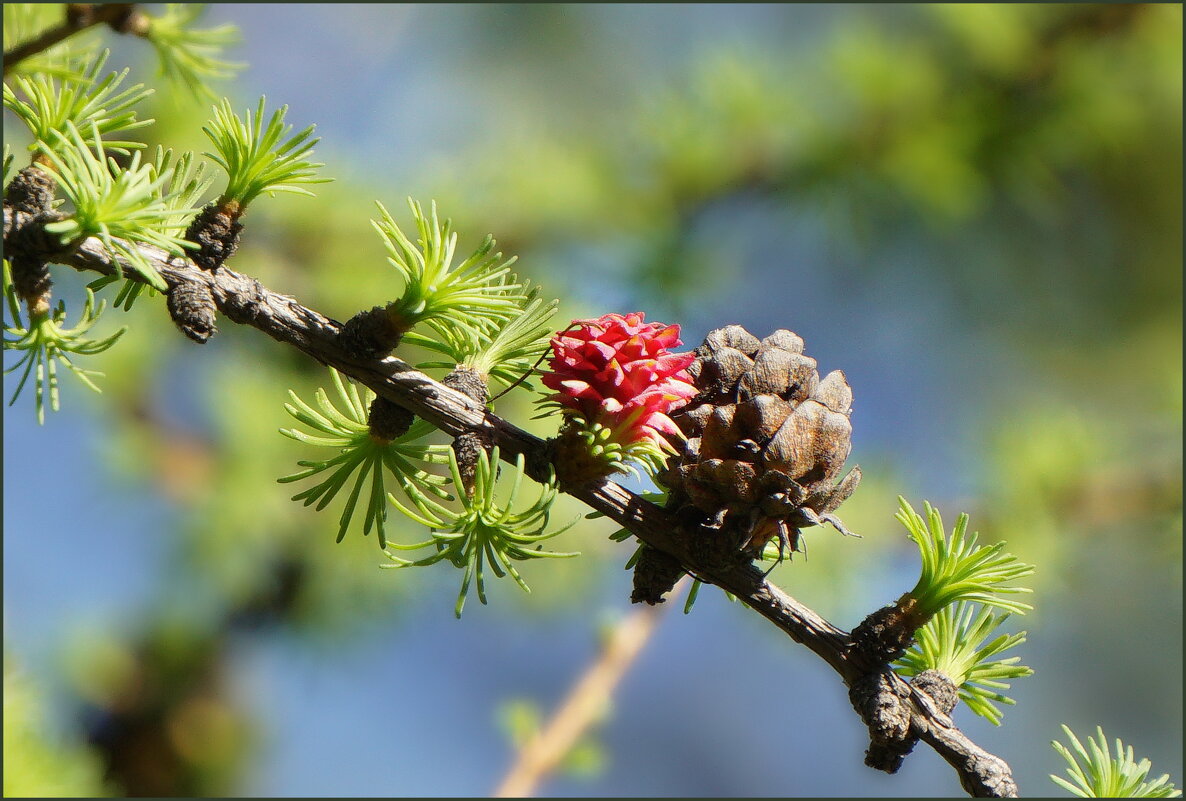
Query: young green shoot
point(122, 207)
point(53, 106)
point(481, 290)
point(506, 350)
point(954, 568)
point(259, 158)
point(184, 184)
point(1105, 775)
point(46, 341)
point(954, 644)
point(486, 530)
point(344, 428)
point(186, 181)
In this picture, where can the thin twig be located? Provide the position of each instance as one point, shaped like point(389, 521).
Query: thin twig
point(585, 701)
point(246, 301)
point(77, 18)
point(531, 369)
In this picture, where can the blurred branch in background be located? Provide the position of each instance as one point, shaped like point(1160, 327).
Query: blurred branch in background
point(161, 711)
point(586, 701)
point(121, 17)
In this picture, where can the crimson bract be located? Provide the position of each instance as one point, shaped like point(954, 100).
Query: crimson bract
point(617, 377)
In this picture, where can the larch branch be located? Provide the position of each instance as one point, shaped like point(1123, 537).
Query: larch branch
point(245, 300)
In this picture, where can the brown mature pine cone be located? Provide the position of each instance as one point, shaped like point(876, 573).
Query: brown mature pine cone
point(766, 439)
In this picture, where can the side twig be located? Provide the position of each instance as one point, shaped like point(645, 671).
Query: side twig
point(246, 301)
point(122, 17)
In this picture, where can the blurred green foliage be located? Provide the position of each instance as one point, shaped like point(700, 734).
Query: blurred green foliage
point(37, 764)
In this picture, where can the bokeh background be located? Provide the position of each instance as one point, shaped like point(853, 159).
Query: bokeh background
point(975, 211)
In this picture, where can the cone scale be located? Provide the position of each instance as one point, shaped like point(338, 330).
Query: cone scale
point(765, 439)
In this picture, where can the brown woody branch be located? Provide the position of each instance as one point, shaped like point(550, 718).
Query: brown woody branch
point(122, 17)
point(244, 300)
